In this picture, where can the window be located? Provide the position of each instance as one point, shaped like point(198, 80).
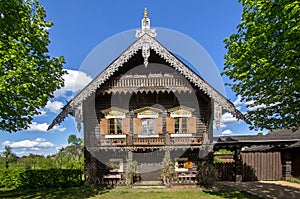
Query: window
point(116, 165)
point(181, 125)
point(180, 164)
point(147, 126)
point(115, 126)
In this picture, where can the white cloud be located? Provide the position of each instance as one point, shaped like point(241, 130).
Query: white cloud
point(6, 143)
point(54, 107)
point(74, 81)
point(227, 118)
point(227, 132)
point(238, 100)
point(38, 143)
point(251, 107)
point(36, 146)
point(43, 127)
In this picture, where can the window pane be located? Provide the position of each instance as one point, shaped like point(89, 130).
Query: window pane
point(111, 126)
point(151, 126)
point(184, 125)
point(119, 126)
point(144, 127)
point(176, 121)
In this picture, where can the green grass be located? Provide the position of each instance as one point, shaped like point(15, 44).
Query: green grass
point(293, 179)
point(124, 193)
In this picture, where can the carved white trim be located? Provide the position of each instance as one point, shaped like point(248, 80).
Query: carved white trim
point(219, 99)
point(78, 116)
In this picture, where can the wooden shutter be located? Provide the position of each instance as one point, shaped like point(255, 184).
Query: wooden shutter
point(137, 126)
point(192, 125)
point(158, 126)
point(170, 125)
point(126, 125)
point(104, 126)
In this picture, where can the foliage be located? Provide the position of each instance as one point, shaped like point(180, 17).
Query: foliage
point(131, 172)
point(9, 155)
point(293, 179)
point(29, 75)
point(223, 151)
point(263, 61)
point(11, 178)
point(217, 160)
point(73, 140)
point(207, 175)
point(23, 178)
point(167, 170)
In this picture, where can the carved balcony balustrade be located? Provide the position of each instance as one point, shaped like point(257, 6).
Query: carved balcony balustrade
point(151, 140)
point(148, 83)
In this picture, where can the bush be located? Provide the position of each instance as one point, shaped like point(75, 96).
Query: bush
point(207, 175)
point(37, 179)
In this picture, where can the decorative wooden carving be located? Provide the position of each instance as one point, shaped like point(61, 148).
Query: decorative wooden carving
point(146, 39)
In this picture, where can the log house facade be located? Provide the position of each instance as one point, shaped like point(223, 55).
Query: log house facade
point(146, 105)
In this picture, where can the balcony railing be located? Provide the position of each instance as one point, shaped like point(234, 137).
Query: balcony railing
point(151, 140)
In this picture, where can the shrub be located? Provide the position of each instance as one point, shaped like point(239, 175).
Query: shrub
point(37, 179)
point(207, 175)
point(167, 171)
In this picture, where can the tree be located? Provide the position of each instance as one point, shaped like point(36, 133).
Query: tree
point(73, 140)
point(9, 155)
point(263, 60)
point(28, 74)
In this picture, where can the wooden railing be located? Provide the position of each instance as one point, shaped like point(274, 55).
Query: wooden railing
point(147, 81)
point(160, 140)
point(185, 178)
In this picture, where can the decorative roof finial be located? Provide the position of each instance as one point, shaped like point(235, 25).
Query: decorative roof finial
point(145, 13)
point(145, 30)
point(145, 27)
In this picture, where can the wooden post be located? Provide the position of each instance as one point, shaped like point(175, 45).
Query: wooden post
point(238, 165)
point(286, 164)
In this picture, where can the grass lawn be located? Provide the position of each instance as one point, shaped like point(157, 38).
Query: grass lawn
point(124, 193)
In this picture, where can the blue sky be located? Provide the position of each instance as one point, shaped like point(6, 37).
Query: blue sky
point(79, 26)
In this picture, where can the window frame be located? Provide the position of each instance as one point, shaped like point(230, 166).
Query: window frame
point(115, 127)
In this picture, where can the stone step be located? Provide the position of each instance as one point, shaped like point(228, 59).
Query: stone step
point(149, 183)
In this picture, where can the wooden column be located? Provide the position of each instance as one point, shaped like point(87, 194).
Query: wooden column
point(238, 165)
point(129, 179)
point(286, 164)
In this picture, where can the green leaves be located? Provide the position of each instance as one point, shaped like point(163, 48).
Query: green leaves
point(263, 61)
point(28, 75)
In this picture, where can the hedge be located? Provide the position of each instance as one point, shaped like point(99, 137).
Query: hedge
point(39, 179)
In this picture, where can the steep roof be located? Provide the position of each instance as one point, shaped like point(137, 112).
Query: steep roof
point(145, 42)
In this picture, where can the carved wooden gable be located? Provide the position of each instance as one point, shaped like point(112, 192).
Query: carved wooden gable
point(145, 42)
point(114, 112)
point(181, 111)
point(148, 112)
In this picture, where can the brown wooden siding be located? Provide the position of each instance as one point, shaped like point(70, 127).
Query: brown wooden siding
point(126, 125)
point(158, 125)
point(262, 166)
point(137, 128)
point(170, 125)
point(104, 126)
point(192, 125)
point(296, 163)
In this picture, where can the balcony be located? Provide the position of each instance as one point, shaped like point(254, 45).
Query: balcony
point(151, 140)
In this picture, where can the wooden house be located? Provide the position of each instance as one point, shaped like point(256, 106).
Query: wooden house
point(146, 105)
